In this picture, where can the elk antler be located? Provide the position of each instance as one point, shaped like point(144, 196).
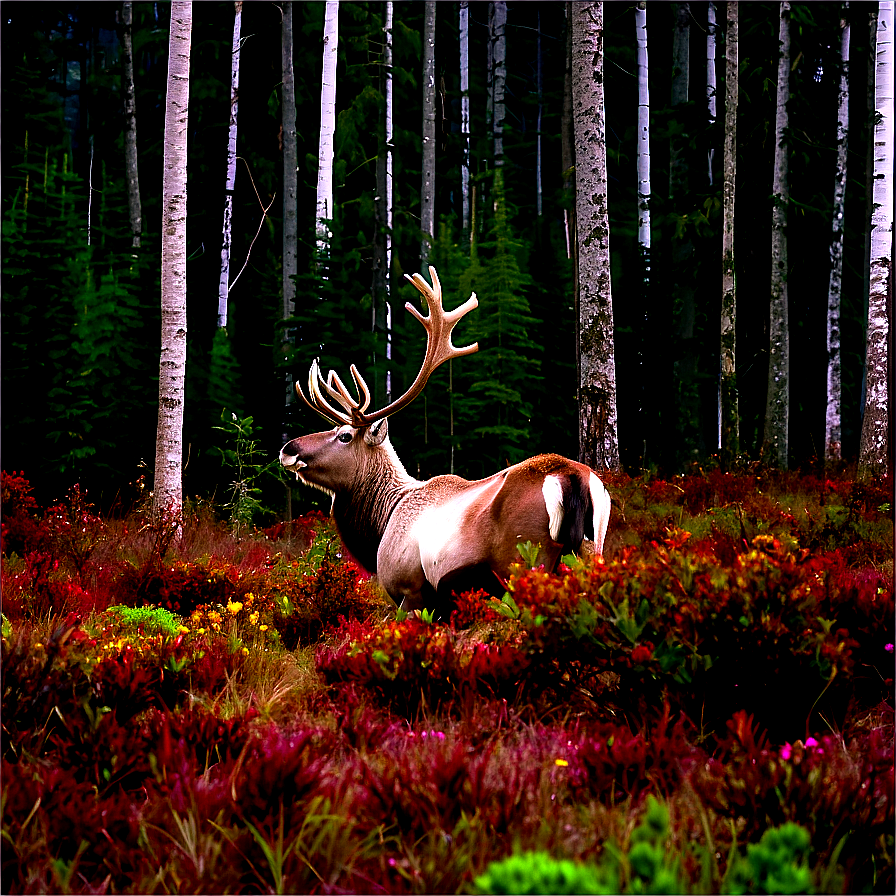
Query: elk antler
point(438, 325)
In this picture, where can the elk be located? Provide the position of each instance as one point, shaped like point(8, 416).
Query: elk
point(425, 540)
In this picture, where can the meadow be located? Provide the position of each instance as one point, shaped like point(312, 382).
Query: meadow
point(709, 709)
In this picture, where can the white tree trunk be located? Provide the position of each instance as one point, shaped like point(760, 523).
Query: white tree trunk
point(643, 138)
point(428, 149)
point(389, 150)
point(711, 74)
point(325, 209)
point(230, 181)
point(777, 407)
point(464, 25)
point(598, 438)
point(499, 40)
point(729, 425)
point(832, 438)
point(168, 486)
point(874, 451)
point(130, 124)
point(290, 193)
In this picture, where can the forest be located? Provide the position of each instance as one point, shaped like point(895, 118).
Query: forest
point(221, 699)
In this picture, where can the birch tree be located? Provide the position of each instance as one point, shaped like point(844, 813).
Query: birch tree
point(777, 407)
point(325, 209)
point(711, 30)
point(499, 55)
point(874, 450)
point(643, 141)
point(598, 439)
point(729, 426)
point(290, 191)
point(135, 213)
point(230, 180)
point(382, 249)
point(832, 437)
point(168, 487)
point(464, 40)
point(428, 176)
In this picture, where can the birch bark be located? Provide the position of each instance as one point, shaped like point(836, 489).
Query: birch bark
point(290, 205)
point(325, 209)
point(832, 438)
point(464, 28)
point(777, 407)
point(168, 486)
point(427, 183)
point(135, 212)
point(711, 31)
point(383, 209)
point(729, 421)
point(874, 451)
point(643, 139)
point(230, 180)
point(499, 24)
point(598, 438)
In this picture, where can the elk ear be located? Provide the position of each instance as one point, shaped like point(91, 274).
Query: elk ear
point(376, 433)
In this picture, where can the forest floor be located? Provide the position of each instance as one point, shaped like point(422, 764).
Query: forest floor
point(709, 709)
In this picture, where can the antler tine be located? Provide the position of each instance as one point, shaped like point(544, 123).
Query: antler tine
point(321, 405)
point(337, 390)
point(439, 348)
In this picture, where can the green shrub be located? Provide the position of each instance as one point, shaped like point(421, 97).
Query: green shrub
point(537, 872)
point(153, 619)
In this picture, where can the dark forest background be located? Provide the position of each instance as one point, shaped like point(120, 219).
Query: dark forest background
point(81, 308)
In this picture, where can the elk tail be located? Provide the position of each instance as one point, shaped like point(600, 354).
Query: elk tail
point(586, 513)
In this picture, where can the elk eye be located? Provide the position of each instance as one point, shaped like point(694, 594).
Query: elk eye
point(344, 437)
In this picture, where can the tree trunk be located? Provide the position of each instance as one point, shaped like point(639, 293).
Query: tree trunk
point(325, 209)
point(539, 88)
point(729, 425)
point(711, 31)
point(681, 49)
point(168, 488)
point(135, 213)
point(598, 439)
point(646, 399)
point(428, 177)
point(383, 211)
point(230, 182)
point(874, 450)
point(290, 216)
point(777, 408)
point(464, 24)
point(832, 435)
point(567, 151)
point(499, 41)
point(684, 402)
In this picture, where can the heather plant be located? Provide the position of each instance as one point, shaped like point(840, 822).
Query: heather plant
point(663, 720)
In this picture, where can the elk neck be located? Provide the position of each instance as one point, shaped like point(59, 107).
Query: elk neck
point(362, 511)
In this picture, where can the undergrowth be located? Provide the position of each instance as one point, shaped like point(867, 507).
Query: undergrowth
point(708, 710)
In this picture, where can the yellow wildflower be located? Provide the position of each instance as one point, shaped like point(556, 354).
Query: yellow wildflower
point(253, 618)
point(561, 762)
point(233, 607)
point(262, 628)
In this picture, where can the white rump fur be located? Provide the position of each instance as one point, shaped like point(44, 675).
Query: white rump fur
point(552, 489)
point(600, 499)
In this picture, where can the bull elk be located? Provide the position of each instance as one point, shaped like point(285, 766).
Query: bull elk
point(425, 540)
